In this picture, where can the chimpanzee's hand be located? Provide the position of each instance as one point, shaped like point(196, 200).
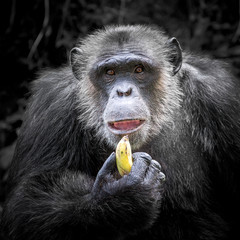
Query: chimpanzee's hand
point(134, 197)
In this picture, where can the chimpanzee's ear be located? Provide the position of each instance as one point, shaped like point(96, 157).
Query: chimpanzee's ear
point(176, 54)
point(75, 56)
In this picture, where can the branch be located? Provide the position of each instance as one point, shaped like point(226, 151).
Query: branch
point(12, 16)
point(42, 32)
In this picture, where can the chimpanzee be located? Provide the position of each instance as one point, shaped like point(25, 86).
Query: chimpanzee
point(180, 109)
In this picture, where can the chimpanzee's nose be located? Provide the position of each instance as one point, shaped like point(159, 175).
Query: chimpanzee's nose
point(122, 92)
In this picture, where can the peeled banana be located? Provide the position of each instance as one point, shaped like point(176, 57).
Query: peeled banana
point(124, 156)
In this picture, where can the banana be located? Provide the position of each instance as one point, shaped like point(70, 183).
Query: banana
point(124, 156)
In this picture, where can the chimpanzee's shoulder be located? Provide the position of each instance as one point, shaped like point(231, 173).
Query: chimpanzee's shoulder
point(52, 78)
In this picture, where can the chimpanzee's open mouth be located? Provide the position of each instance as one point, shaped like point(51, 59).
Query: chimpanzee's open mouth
point(125, 126)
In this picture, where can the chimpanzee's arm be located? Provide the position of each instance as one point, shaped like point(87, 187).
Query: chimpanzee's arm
point(69, 205)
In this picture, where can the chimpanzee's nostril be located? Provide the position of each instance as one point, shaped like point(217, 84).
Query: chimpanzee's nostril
point(129, 92)
point(119, 93)
point(124, 93)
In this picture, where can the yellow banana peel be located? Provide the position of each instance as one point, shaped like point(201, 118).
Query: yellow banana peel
point(124, 156)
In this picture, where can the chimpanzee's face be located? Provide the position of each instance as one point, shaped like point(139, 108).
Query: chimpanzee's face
point(127, 81)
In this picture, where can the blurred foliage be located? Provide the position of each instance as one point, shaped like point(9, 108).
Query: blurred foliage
point(40, 33)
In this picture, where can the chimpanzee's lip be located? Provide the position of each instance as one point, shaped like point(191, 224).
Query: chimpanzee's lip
point(125, 126)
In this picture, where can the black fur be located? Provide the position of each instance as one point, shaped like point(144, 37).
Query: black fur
point(61, 187)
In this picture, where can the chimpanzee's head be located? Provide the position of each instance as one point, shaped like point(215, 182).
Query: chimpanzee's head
point(127, 82)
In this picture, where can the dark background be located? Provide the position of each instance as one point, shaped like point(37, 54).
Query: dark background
point(40, 33)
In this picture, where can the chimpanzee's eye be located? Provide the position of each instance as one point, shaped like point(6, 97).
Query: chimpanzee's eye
point(110, 72)
point(139, 69)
